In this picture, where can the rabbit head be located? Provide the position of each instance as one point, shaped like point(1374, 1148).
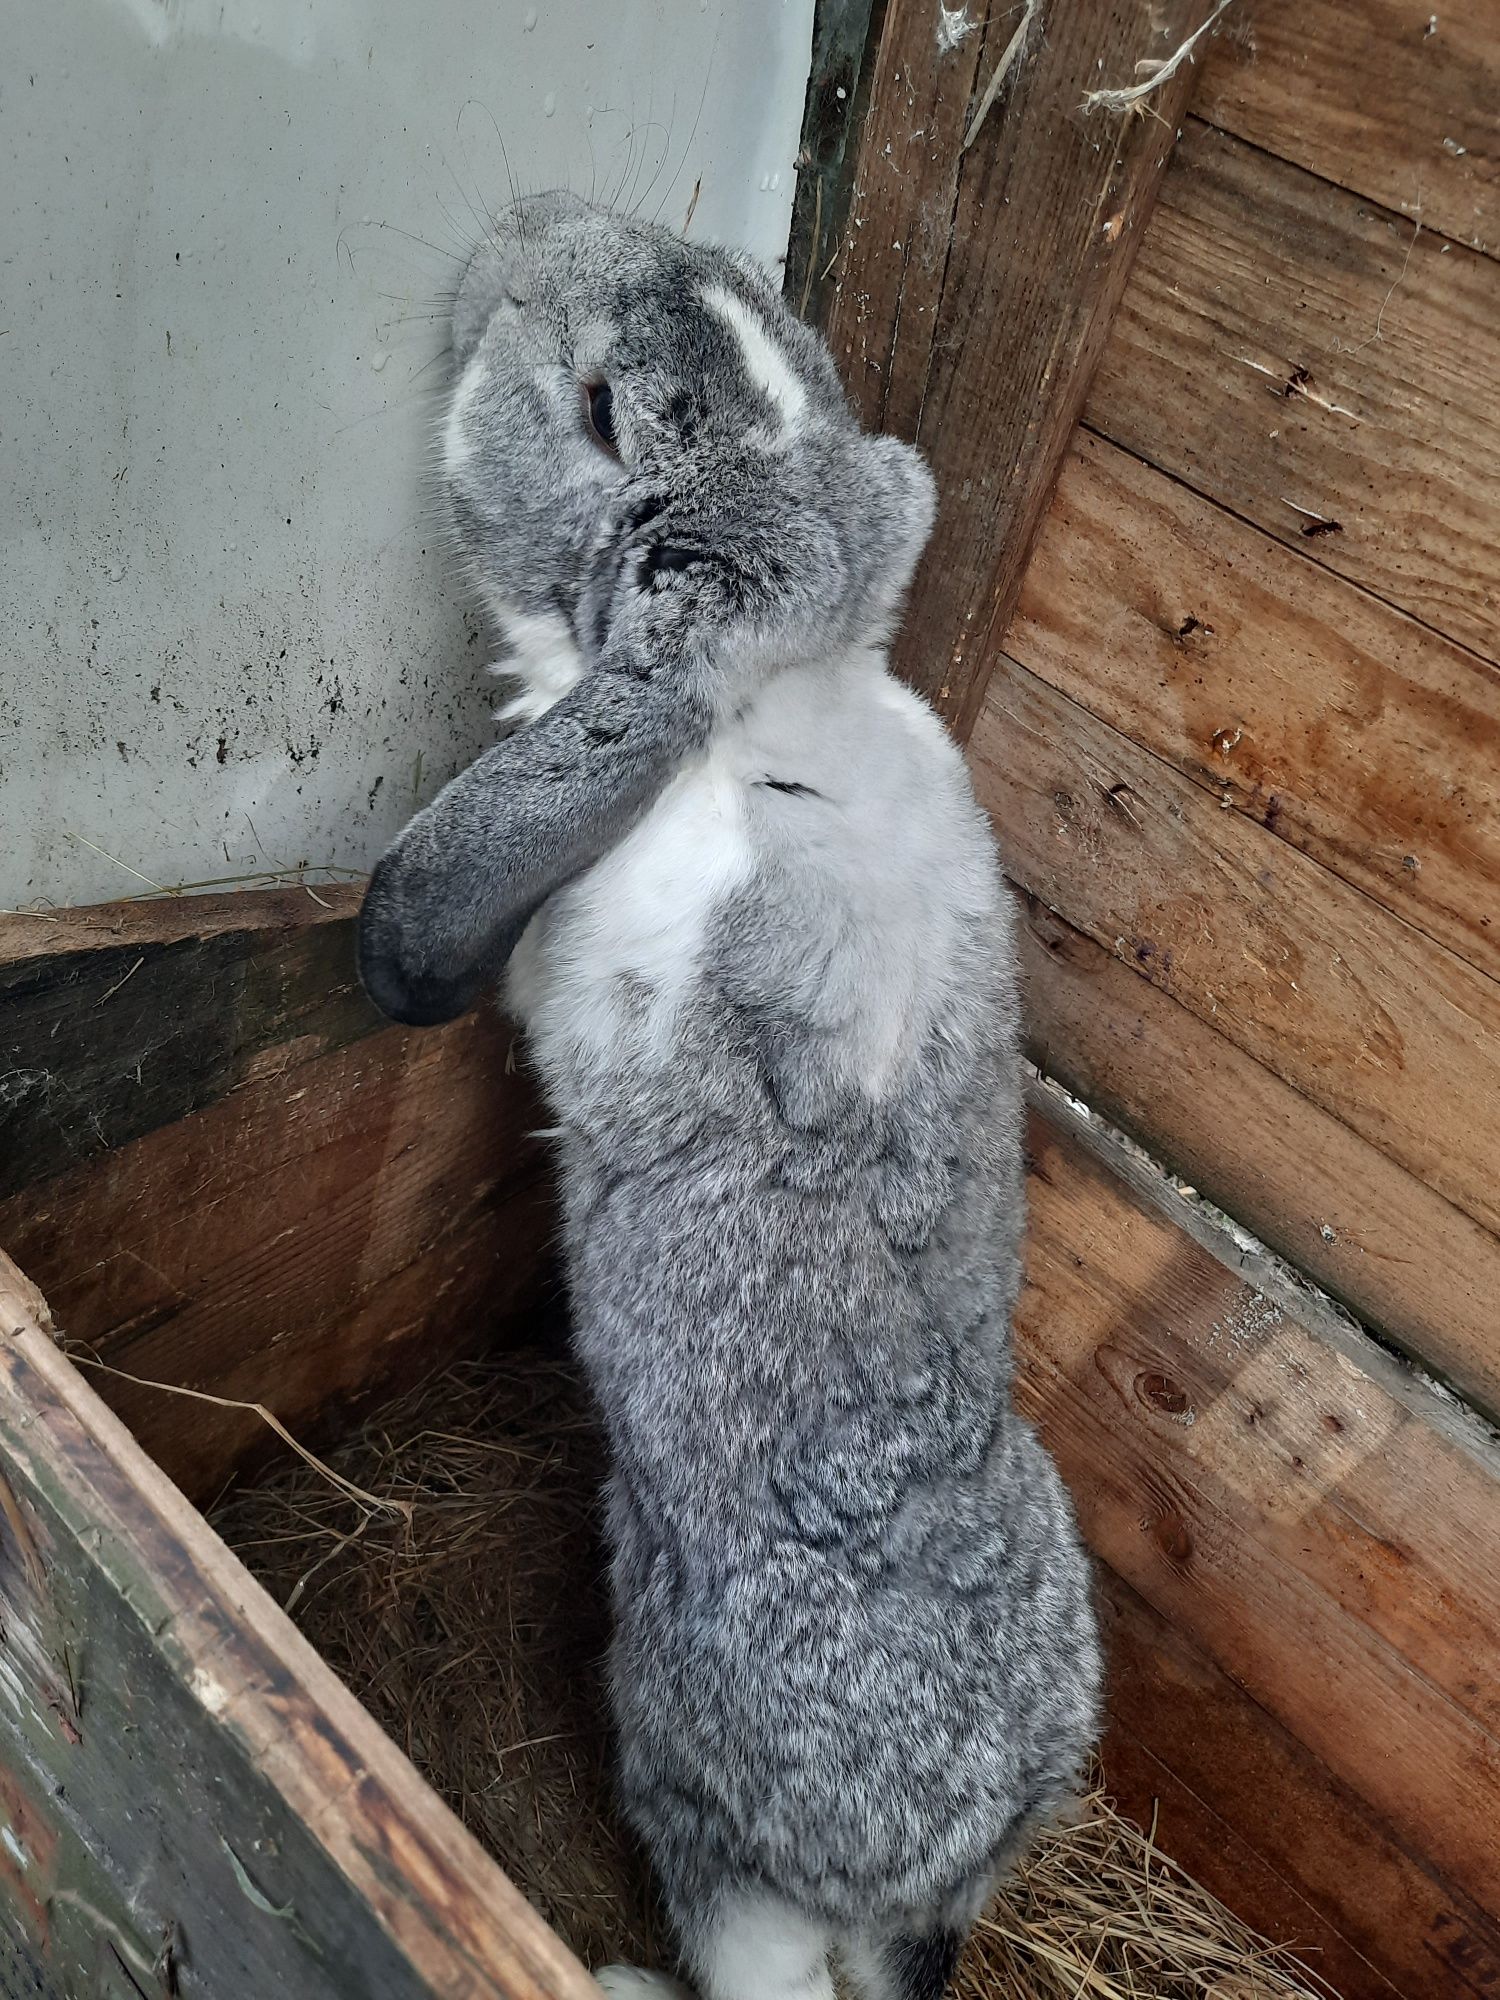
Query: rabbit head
point(650, 463)
point(605, 367)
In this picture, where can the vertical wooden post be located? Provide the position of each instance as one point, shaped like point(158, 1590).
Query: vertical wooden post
point(981, 262)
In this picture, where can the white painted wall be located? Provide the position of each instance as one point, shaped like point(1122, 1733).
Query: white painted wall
point(230, 641)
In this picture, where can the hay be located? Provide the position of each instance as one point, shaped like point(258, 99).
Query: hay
point(472, 1622)
point(473, 1630)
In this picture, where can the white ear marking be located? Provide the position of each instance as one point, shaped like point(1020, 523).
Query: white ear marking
point(765, 362)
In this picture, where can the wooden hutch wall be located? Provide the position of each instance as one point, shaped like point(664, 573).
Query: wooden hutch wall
point(1212, 391)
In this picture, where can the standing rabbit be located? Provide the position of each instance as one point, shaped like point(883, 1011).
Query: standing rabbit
point(755, 929)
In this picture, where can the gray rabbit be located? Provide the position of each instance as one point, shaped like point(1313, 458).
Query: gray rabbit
point(756, 932)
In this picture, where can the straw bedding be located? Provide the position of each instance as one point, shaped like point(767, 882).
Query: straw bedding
point(467, 1614)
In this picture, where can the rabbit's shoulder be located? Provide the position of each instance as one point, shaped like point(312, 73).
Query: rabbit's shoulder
point(823, 864)
point(877, 916)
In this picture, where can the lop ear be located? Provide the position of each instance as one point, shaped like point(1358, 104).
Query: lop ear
point(664, 617)
point(904, 505)
point(449, 899)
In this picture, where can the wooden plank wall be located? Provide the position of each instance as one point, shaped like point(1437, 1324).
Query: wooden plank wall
point(1241, 742)
point(231, 1175)
point(1301, 1549)
point(141, 1659)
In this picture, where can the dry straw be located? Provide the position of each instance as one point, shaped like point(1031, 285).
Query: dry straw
point(1134, 95)
point(471, 1621)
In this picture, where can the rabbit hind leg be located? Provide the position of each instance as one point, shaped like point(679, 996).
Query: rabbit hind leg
point(746, 1947)
point(756, 1946)
point(915, 1963)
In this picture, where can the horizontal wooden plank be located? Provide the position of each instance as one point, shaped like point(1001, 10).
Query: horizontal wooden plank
point(1324, 1529)
point(1391, 100)
point(306, 1242)
point(1405, 1261)
point(1374, 1022)
point(118, 1019)
point(975, 285)
point(314, 1861)
point(1343, 726)
point(1318, 367)
point(1250, 1813)
point(48, 933)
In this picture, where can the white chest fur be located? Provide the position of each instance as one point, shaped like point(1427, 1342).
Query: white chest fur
point(610, 959)
point(840, 788)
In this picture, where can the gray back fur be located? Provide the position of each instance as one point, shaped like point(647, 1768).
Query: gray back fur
point(756, 930)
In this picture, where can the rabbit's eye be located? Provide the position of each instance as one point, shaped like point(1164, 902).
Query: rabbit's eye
point(599, 406)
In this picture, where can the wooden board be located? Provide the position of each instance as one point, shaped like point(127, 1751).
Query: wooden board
point(1395, 100)
point(974, 289)
point(1341, 725)
point(314, 1862)
point(1308, 360)
point(1321, 1528)
point(1406, 1262)
point(238, 1182)
point(833, 115)
point(1252, 1814)
point(308, 1242)
point(1372, 1021)
point(120, 1018)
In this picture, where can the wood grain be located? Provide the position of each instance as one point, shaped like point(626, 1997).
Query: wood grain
point(315, 1862)
point(1314, 364)
point(1252, 1814)
point(1391, 99)
point(1406, 1262)
point(117, 1019)
point(1341, 725)
point(1372, 1021)
point(171, 919)
point(1315, 1523)
point(307, 1242)
point(974, 289)
point(833, 115)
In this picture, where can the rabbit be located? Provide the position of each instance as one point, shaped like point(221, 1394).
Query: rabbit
point(749, 913)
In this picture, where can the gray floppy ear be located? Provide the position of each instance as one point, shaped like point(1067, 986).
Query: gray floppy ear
point(480, 290)
point(450, 897)
point(904, 506)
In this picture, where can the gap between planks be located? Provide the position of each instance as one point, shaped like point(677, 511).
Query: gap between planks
point(1250, 257)
point(1063, 547)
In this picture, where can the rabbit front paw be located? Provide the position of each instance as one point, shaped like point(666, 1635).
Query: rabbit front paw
point(634, 1982)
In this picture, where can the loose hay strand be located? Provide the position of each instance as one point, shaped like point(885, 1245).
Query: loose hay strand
point(82, 1358)
point(1002, 70)
point(1136, 93)
point(474, 1626)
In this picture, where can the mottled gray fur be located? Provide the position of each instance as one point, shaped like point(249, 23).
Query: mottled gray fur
point(769, 977)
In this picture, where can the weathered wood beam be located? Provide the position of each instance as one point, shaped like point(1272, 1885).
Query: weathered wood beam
point(974, 285)
point(117, 1019)
point(312, 1861)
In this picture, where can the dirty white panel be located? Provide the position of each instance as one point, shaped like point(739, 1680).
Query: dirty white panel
point(229, 641)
